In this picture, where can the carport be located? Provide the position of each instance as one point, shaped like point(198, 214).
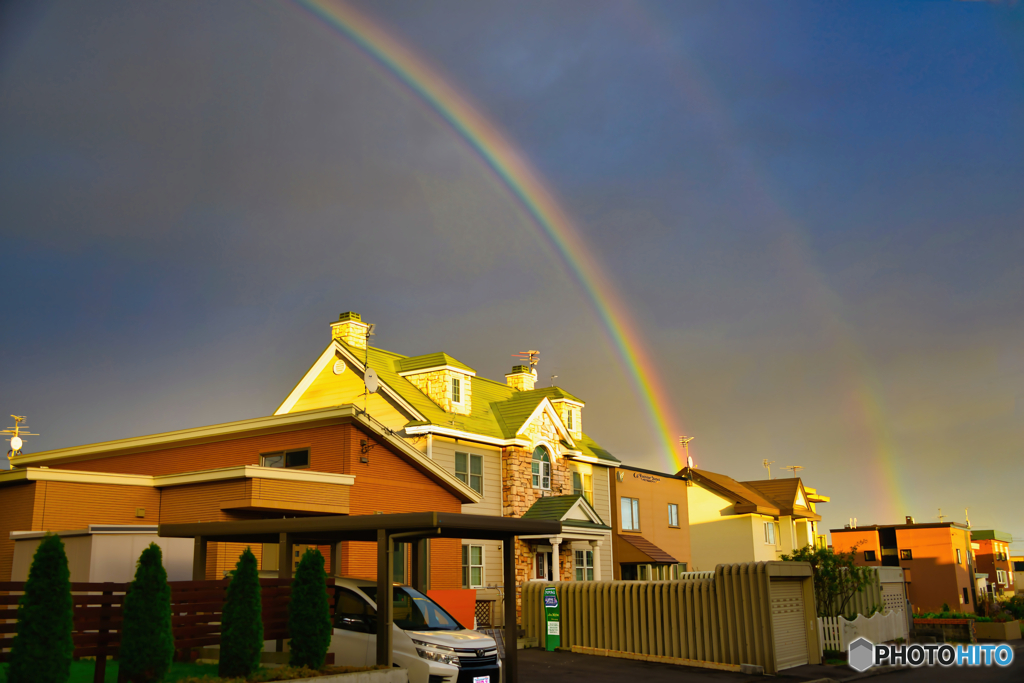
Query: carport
point(412, 527)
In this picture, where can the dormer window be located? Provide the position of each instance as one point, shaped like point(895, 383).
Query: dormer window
point(456, 390)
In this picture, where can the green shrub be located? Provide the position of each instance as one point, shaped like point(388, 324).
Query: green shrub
point(42, 649)
point(309, 617)
point(242, 632)
point(147, 642)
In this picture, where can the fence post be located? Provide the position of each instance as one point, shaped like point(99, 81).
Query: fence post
point(99, 671)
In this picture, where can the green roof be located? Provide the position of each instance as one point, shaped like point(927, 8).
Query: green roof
point(554, 508)
point(498, 410)
point(991, 535)
point(431, 360)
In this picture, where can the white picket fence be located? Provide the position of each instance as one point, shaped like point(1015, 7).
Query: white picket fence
point(836, 633)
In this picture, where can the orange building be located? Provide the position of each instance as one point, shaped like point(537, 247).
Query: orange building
point(936, 559)
point(992, 555)
point(651, 526)
point(327, 461)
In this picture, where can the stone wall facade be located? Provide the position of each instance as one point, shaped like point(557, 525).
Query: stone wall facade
point(518, 494)
point(350, 331)
point(437, 386)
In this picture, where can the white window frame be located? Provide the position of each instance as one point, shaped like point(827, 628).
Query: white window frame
point(769, 533)
point(540, 471)
point(284, 458)
point(586, 487)
point(959, 558)
point(468, 566)
point(586, 566)
point(673, 515)
point(633, 513)
point(457, 390)
point(1001, 577)
point(466, 476)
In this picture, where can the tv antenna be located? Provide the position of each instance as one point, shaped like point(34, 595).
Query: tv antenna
point(767, 464)
point(942, 517)
point(16, 441)
point(369, 375)
point(684, 441)
point(529, 357)
point(967, 517)
point(794, 468)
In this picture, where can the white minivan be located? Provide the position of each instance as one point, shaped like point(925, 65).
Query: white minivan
point(427, 640)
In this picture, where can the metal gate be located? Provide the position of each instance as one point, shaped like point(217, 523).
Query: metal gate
point(788, 627)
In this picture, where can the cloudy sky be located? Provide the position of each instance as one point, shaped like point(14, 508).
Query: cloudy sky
point(812, 213)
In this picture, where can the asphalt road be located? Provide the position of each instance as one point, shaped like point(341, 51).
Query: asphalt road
point(537, 664)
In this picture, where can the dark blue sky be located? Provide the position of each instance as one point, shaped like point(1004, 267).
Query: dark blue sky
point(813, 212)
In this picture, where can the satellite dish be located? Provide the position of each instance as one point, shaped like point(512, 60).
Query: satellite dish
point(339, 367)
point(689, 461)
point(371, 381)
point(16, 443)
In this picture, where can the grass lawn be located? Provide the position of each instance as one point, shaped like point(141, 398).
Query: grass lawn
point(81, 672)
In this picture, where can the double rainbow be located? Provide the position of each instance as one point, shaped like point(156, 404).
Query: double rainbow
point(526, 186)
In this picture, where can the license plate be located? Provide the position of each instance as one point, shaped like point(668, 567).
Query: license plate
point(481, 679)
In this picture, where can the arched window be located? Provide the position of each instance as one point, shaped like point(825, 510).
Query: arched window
point(541, 468)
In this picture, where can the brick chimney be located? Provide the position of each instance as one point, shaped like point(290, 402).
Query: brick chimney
point(521, 378)
point(350, 329)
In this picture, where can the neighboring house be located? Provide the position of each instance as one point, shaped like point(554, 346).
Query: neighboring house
point(304, 464)
point(512, 443)
point(753, 521)
point(992, 556)
point(936, 559)
point(1017, 564)
point(650, 518)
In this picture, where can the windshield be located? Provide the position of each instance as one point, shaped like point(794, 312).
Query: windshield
point(414, 611)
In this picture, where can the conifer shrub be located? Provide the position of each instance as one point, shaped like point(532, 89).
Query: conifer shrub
point(147, 642)
point(242, 622)
point(309, 617)
point(42, 649)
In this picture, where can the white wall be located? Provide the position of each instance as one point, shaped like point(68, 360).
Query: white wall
point(97, 558)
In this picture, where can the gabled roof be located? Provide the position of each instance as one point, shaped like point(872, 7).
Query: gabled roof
point(787, 494)
point(745, 498)
point(430, 360)
point(562, 509)
point(498, 411)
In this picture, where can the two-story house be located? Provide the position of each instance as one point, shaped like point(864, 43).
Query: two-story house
point(753, 521)
point(520, 447)
point(651, 523)
point(992, 556)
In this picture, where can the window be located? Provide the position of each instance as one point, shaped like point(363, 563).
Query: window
point(469, 468)
point(472, 566)
point(676, 571)
point(541, 468)
point(631, 514)
point(584, 565)
point(967, 599)
point(1000, 576)
point(869, 555)
point(296, 458)
point(959, 557)
point(583, 485)
point(673, 515)
point(456, 390)
point(352, 613)
point(906, 554)
point(769, 533)
point(568, 418)
point(1018, 566)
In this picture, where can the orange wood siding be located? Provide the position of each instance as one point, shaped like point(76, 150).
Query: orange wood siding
point(66, 505)
point(323, 442)
point(201, 502)
point(300, 492)
point(18, 505)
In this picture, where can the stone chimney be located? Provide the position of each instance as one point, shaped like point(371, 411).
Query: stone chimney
point(350, 329)
point(521, 378)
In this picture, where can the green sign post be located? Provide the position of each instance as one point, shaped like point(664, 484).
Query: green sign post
point(554, 636)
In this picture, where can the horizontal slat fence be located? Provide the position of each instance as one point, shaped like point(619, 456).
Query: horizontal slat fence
point(725, 618)
point(196, 608)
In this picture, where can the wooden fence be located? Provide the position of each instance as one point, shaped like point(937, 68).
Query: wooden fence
point(836, 633)
point(196, 608)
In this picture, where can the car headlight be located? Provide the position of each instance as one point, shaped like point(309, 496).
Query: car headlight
point(436, 653)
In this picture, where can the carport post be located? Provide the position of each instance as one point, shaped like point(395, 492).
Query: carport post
point(385, 597)
point(336, 558)
point(508, 548)
point(414, 566)
point(199, 559)
point(284, 567)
